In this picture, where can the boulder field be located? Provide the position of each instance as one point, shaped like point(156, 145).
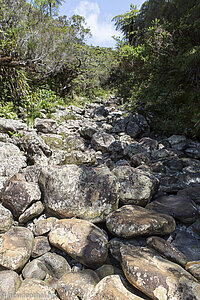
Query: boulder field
point(95, 206)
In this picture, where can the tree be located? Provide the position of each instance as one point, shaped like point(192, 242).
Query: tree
point(49, 7)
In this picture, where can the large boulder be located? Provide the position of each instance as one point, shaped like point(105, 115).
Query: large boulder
point(80, 239)
point(101, 141)
point(157, 277)
point(131, 221)
point(9, 283)
point(77, 191)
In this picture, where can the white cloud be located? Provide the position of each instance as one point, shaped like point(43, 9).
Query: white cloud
point(102, 32)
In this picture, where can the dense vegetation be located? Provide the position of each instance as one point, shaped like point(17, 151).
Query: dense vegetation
point(160, 63)
point(44, 59)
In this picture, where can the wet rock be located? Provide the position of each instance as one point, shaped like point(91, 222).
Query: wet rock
point(15, 248)
point(77, 285)
point(33, 211)
point(40, 246)
point(10, 125)
point(135, 186)
point(34, 289)
point(9, 283)
point(167, 249)
point(84, 192)
point(177, 206)
point(101, 141)
point(112, 288)
point(157, 277)
point(187, 244)
point(44, 226)
point(80, 239)
point(46, 125)
point(34, 269)
point(6, 219)
point(194, 268)
point(131, 221)
point(18, 195)
point(56, 265)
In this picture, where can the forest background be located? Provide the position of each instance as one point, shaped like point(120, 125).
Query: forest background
point(155, 67)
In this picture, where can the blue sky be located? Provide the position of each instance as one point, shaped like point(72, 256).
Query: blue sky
point(98, 15)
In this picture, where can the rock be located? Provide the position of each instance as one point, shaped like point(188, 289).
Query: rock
point(178, 142)
point(149, 144)
point(56, 265)
point(77, 285)
point(120, 125)
point(157, 277)
point(80, 239)
point(107, 270)
point(33, 211)
point(193, 150)
point(9, 283)
point(131, 221)
point(177, 206)
point(15, 248)
point(6, 219)
point(61, 158)
point(34, 269)
point(40, 246)
point(79, 191)
point(196, 226)
point(32, 289)
point(100, 111)
point(44, 226)
point(11, 161)
point(187, 244)
point(194, 268)
point(88, 129)
point(101, 141)
point(112, 288)
point(137, 125)
point(135, 186)
point(46, 125)
point(192, 191)
point(167, 249)
point(18, 195)
point(9, 125)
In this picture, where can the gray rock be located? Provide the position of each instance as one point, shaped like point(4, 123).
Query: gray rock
point(178, 142)
point(80, 239)
point(137, 125)
point(135, 186)
point(167, 250)
point(192, 191)
point(34, 269)
point(33, 211)
point(9, 125)
point(9, 283)
point(194, 268)
point(132, 221)
point(157, 277)
point(107, 270)
point(40, 246)
point(44, 226)
point(83, 192)
point(6, 219)
point(101, 141)
point(76, 285)
point(193, 150)
point(177, 206)
point(46, 125)
point(88, 129)
point(76, 157)
point(15, 248)
point(56, 265)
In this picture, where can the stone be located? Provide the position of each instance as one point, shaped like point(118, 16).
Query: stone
point(107, 270)
point(135, 186)
point(44, 226)
point(135, 148)
point(10, 125)
point(157, 277)
point(40, 246)
point(166, 249)
point(78, 191)
point(34, 269)
point(178, 142)
point(46, 125)
point(56, 264)
point(111, 288)
point(132, 221)
point(11, 161)
point(33, 211)
point(77, 285)
point(15, 248)
point(88, 129)
point(100, 111)
point(178, 206)
point(34, 289)
point(18, 195)
point(101, 141)
point(81, 240)
point(193, 150)
point(194, 268)
point(137, 125)
point(6, 219)
point(76, 157)
point(149, 144)
point(192, 191)
point(9, 283)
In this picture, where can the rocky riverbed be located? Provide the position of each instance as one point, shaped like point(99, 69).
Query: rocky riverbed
point(95, 206)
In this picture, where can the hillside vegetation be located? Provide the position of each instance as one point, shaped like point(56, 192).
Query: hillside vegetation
point(44, 60)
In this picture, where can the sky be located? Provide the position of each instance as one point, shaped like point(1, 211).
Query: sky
point(98, 15)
